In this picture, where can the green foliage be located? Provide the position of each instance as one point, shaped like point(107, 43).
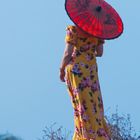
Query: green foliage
point(9, 137)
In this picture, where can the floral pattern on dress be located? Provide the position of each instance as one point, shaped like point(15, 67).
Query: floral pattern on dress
point(84, 88)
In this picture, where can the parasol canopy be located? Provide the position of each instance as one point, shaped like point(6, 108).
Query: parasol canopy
point(96, 17)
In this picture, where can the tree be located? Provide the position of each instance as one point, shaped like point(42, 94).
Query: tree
point(120, 127)
point(50, 133)
point(9, 137)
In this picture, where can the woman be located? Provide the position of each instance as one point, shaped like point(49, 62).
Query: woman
point(80, 72)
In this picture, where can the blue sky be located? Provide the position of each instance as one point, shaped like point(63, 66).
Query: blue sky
point(31, 47)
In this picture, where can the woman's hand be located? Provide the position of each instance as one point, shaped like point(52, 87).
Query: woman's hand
point(62, 75)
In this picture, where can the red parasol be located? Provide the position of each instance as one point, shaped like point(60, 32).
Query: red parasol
point(95, 17)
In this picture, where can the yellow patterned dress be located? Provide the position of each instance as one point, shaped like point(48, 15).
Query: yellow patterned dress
point(84, 89)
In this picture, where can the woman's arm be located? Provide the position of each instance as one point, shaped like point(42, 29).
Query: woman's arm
point(66, 58)
point(99, 50)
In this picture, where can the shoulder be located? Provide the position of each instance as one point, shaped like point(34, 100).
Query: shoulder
point(71, 35)
point(71, 28)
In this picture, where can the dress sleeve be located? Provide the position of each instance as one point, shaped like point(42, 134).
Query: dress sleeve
point(100, 41)
point(71, 35)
